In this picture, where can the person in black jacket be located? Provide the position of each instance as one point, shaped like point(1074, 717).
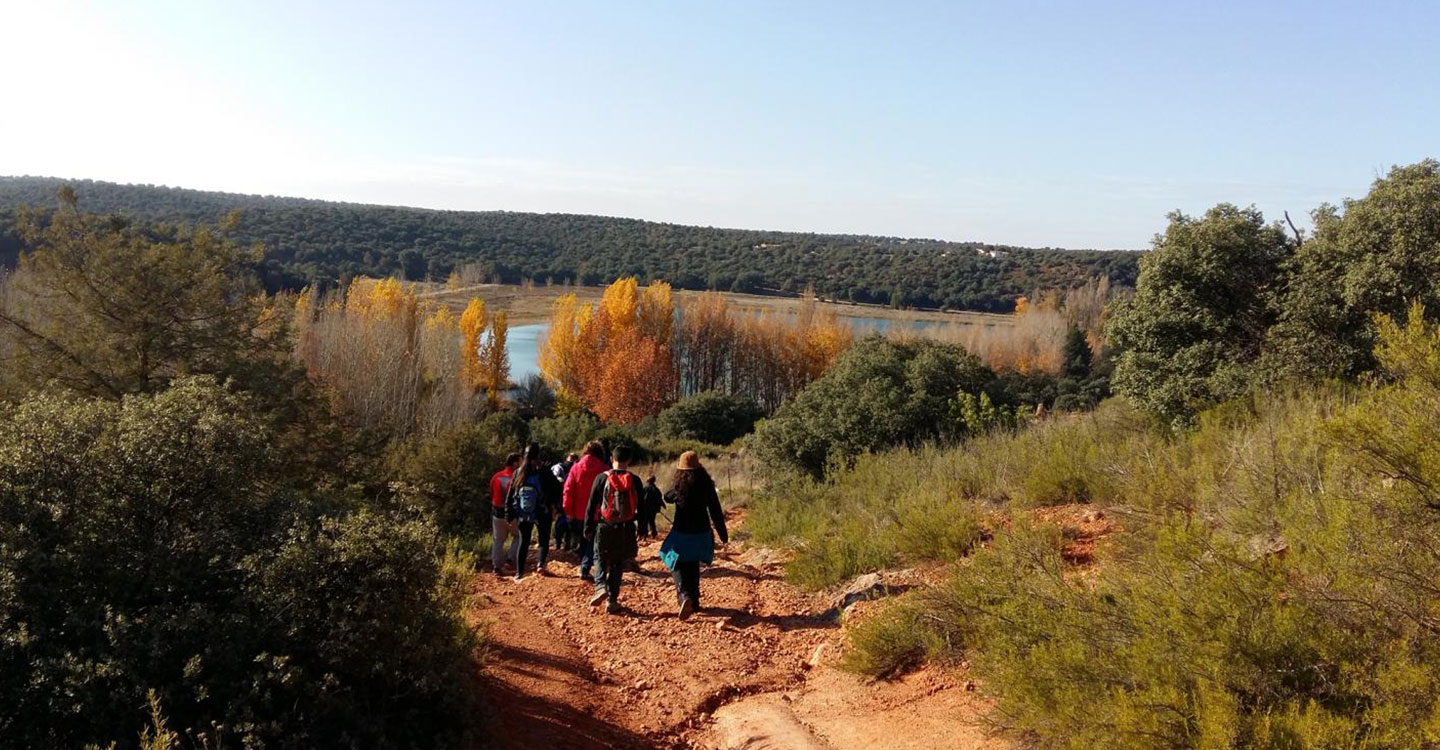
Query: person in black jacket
point(649, 508)
point(691, 541)
point(610, 525)
point(532, 499)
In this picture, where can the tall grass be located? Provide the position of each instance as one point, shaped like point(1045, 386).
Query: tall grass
point(1274, 585)
point(932, 504)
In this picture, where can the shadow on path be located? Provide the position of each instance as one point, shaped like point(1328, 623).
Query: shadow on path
point(520, 720)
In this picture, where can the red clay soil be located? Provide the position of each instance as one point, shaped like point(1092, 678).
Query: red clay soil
point(746, 672)
point(564, 674)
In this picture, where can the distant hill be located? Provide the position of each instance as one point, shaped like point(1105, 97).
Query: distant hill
point(310, 240)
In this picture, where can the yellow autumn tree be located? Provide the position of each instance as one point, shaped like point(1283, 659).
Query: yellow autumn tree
point(560, 352)
point(656, 314)
point(392, 362)
point(472, 327)
point(494, 360)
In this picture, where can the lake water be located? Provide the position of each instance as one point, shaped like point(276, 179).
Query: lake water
point(524, 341)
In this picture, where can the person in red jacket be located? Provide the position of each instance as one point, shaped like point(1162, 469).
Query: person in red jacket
point(500, 527)
point(578, 484)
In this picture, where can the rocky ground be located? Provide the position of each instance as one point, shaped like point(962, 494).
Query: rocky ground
point(753, 669)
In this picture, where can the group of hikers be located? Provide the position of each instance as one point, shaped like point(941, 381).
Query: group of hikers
point(600, 510)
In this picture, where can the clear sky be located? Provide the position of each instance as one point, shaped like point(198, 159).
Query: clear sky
point(1075, 124)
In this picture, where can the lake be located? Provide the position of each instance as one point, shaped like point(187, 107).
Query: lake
point(523, 343)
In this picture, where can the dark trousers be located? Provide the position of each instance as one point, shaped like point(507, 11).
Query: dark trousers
point(587, 555)
point(647, 525)
point(687, 582)
point(542, 520)
point(562, 532)
point(607, 576)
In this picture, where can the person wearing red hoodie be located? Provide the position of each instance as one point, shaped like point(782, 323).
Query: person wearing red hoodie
point(500, 527)
point(578, 484)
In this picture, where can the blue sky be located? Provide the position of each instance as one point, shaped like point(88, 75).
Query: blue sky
point(1076, 124)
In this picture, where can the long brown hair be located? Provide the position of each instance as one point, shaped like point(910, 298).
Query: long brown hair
point(522, 472)
point(689, 481)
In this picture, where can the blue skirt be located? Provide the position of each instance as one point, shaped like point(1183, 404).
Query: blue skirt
point(678, 548)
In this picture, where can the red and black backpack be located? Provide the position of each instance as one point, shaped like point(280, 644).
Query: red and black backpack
point(621, 499)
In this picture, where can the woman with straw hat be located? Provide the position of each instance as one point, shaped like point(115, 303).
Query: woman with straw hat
point(691, 540)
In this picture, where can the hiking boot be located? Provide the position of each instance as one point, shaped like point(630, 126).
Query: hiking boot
point(598, 597)
point(543, 570)
point(500, 573)
point(687, 608)
point(585, 576)
point(613, 607)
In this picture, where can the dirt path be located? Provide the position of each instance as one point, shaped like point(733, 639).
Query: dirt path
point(737, 674)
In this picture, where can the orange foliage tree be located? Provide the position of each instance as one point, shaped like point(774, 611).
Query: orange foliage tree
point(616, 358)
point(629, 357)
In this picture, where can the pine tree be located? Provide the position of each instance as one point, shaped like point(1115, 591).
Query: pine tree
point(1077, 358)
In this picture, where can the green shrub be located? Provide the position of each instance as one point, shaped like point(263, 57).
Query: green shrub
point(566, 432)
point(534, 398)
point(932, 528)
point(847, 550)
point(451, 472)
point(1273, 588)
point(616, 435)
point(153, 545)
point(712, 417)
point(506, 430)
point(880, 394)
point(887, 508)
point(890, 642)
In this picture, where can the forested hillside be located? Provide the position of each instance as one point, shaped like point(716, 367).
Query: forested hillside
point(308, 241)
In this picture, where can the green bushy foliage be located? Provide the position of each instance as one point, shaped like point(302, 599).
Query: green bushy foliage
point(105, 307)
point(712, 417)
point(1193, 332)
point(887, 508)
point(881, 393)
point(506, 428)
point(156, 544)
point(617, 435)
point(566, 432)
point(1274, 587)
point(1374, 257)
point(973, 415)
point(1227, 301)
point(889, 642)
point(450, 472)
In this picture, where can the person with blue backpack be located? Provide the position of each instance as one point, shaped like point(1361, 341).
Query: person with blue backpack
point(531, 501)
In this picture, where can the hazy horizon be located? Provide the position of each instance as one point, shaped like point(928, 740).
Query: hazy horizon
point(1061, 125)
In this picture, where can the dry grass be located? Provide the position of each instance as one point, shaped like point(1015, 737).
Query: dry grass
point(733, 473)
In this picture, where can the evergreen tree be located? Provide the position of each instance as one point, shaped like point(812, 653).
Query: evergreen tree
point(1076, 357)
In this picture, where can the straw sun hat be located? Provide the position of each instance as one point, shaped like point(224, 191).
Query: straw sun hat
point(689, 461)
